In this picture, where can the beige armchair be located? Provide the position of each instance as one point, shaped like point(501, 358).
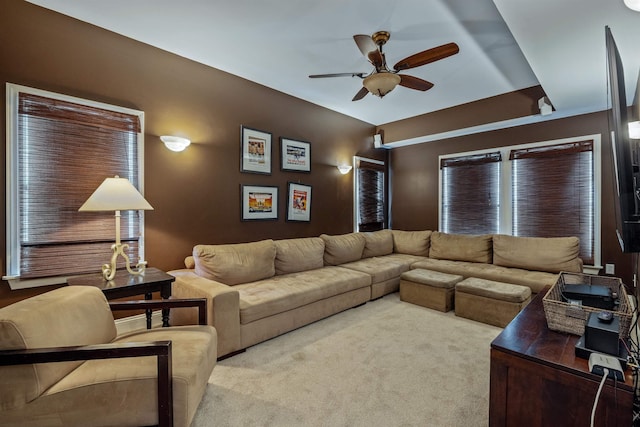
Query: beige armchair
point(62, 363)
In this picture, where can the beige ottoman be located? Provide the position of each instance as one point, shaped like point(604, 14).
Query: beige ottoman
point(495, 303)
point(428, 288)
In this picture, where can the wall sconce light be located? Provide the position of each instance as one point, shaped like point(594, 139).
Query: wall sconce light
point(634, 129)
point(344, 169)
point(175, 143)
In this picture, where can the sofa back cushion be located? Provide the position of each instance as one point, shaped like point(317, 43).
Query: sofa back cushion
point(411, 242)
point(343, 248)
point(461, 247)
point(377, 243)
point(293, 255)
point(237, 263)
point(68, 316)
point(189, 262)
point(551, 254)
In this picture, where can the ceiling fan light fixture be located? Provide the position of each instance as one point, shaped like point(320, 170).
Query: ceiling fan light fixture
point(633, 4)
point(380, 84)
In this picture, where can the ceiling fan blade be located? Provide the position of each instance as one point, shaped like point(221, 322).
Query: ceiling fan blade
point(414, 82)
point(361, 94)
point(427, 56)
point(320, 76)
point(369, 49)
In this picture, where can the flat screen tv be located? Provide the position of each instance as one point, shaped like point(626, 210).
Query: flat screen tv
point(625, 154)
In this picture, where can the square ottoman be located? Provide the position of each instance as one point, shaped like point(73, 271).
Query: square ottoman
point(427, 288)
point(486, 301)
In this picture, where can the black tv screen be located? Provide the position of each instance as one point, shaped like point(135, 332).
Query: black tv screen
point(624, 154)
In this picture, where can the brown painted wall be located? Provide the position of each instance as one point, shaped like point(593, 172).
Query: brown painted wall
point(415, 172)
point(196, 193)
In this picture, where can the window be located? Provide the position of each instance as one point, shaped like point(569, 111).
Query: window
point(547, 189)
point(553, 193)
point(471, 193)
point(60, 150)
point(370, 212)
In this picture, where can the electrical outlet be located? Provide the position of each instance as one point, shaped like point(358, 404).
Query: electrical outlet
point(609, 269)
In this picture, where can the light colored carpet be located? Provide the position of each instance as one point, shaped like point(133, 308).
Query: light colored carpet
point(387, 363)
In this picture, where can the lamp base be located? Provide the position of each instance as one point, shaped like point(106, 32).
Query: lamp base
point(109, 270)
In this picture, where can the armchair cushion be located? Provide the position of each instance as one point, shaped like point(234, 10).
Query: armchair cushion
point(78, 315)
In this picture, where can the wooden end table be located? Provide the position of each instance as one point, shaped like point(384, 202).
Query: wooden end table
point(125, 285)
point(537, 380)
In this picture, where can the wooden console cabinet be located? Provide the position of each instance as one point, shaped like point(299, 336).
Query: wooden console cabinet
point(536, 379)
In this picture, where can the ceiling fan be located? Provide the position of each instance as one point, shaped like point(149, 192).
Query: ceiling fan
point(383, 80)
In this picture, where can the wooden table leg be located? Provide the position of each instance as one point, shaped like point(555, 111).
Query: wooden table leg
point(148, 312)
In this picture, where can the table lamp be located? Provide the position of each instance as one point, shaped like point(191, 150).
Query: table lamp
point(117, 194)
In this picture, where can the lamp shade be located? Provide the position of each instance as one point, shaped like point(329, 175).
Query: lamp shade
point(381, 83)
point(115, 194)
point(633, 4)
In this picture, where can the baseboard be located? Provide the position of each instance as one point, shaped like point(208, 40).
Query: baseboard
point(137, 322)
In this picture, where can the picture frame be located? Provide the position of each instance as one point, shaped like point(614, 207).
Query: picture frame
point(295, 155)
point(259, 202)
point(298, 202)
point(255, 151)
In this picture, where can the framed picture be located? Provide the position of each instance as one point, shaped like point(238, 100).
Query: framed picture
point(299, 202)
point(255, 147)
point(295, 155)
point(259, 202)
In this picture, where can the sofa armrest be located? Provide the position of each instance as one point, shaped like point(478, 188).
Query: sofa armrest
point(160, 349)
point(223, 307)
point(199, 303)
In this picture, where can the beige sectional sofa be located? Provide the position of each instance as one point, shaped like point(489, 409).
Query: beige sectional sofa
point(259, 290)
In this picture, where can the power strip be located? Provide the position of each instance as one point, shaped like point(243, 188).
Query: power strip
point(599, 361)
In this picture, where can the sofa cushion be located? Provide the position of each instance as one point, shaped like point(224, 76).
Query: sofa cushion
point(237, 263)
point(551, 254)
point(461, 247)
point(411, 242)
point(377, 243)
point(379, 268)
point(536, 280)
point(189, 262)
point(28, 324)
point(343, 248)
point(293, 255)
point(279, 294)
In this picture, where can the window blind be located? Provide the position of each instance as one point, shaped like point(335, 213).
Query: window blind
point(371, 196)
point(65, 151)
point(471, 194)
point(553, 193)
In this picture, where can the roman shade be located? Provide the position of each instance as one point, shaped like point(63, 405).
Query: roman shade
point(371, 195)
point(65, 150)
point(553, 193)
point(470, 193)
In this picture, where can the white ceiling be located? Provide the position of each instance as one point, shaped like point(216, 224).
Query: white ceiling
point(505, 45)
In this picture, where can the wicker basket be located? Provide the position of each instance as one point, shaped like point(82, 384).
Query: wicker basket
point(564, 317)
